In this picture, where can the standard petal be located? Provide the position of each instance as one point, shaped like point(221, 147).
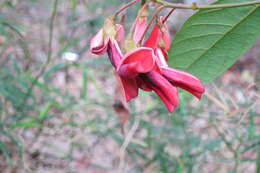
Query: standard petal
point(140, 27)
point(184, 80)
point(128, 70)
point(140, 60)
point(153, 38)
point(168, 90)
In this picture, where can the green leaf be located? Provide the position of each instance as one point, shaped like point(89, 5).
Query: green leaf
point(212, 40)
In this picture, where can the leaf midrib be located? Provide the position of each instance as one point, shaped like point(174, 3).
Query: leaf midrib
point(222, 37)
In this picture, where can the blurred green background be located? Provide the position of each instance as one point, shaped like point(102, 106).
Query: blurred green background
point(60, 115)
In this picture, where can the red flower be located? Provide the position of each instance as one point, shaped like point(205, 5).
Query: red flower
point(110, 33)
point(140, 60)
point(140, 26)
point(98, 44)
point(145, 67)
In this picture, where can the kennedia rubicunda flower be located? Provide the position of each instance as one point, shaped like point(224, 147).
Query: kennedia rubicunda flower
point(145, 66)
point(140, 24)
point(109, 33)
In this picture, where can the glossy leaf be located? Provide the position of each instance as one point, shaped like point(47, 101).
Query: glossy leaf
point(212, 40)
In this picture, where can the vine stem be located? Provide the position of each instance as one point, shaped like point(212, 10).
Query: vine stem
point(168, 15)
point(194, 5)
point(125, 7)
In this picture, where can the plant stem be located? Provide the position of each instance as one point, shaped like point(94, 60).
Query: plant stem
point(168, 15)
point(125, 7)
point(194, 5)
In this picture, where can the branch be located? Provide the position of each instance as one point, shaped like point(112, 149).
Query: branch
point(125, 7)
point(127, 140)
point(194, 5)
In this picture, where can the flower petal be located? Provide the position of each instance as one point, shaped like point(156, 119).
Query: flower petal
point(120, 33)
point(98, 44)
point(140, 60)
point(114, 52)
point(165, 100)
point(160, 58)
point(140, 27)
point(144, 83)
point(165, 35)
point(130, 88)
point(184, 80)
point(153, 38)
point(168, 90)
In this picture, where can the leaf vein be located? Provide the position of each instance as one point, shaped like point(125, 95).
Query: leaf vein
point(190, 50)
point(224, 35)
point(197, 36)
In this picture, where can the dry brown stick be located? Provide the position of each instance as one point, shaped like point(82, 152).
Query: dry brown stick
point(127, 140)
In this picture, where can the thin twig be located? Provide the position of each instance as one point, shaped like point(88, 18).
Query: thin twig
point(245, 114)
point(217, 102)
point(125, 144)
point(125, 7)
point(194, 5)
point(168, 15)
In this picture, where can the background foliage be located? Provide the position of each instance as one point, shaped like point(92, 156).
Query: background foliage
point(57, 115)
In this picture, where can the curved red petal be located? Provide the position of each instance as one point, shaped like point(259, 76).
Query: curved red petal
point(114, 53)
point(140, 27)
point(165, 100)
point(127, 70)
point(98, 44)
point(183, 80)
point(160, 58)
point(165, 86)
point(140, 60)
point(153, 38)
point(130, 88)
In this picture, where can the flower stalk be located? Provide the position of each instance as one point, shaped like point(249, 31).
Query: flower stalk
point(125, 7)
point(194, 5)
